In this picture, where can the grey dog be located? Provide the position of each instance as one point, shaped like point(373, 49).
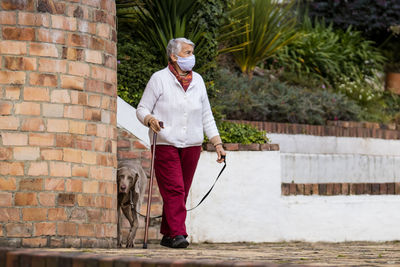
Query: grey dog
point(131, 182)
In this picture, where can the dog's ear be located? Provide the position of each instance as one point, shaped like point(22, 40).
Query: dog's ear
point(140, 179)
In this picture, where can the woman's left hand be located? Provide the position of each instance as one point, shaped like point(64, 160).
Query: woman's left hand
point(220, 152)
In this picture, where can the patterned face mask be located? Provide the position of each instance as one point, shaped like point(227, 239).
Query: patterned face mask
point(186, 63)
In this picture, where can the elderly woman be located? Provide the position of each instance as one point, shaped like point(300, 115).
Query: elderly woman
point(177, 96)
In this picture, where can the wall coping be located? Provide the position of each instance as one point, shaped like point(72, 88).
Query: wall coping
point(242, 147)
point(333, 128)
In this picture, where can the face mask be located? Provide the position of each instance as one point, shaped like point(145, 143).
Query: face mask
point(186, 63)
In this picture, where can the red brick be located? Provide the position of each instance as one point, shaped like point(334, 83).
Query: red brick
point(78, 40)
point(73, 185)
point(383, 189)
point(60, 96)
point(96, 86)
point(71, 53)
point(41, 139)
point(66, 199)
point(5, 153)
point(9, 214)
point(12, 47)
point(43, 79)
point(79, 69)
point(12, 77)
point(89, 157)
point(33, 19)
point(66, 228)
point(36, 94)
point(26, 153)
point(9, 123)
point(124, 143)
point(128, 154)
point(47, 199)
point(72, 155)
point(25, 199)
point(60, 169)
point(12, 93)
point(5, 199)
point(20, 34)
point(63, 23)
point(93, 115)
point(84, 142)
point(77, 127)
point(35, 184)
point(18, 229)
point(103, 30)
point(91, 129)
point(54, 184)
point(43, 50)
point(27, 108)
point(79, 98)
point(94, 56)
point(95, 101)
point(52, 65)
point(57, 214)
point(27, 5)
point(44, 228)
point(51, 36)
point(38, 168)
point(20, 63)
point(90, 187)
point(57, 125)
point(73, 112)
point(86, 230)
point(81, 171)
point(51, 154)
point(11, 168)
point(5, 108)
point(7, 184)
point(139, 145)
point(7, 17)
point(34, 242)
point(33, 125)
point(64, 140)
point(86, 201)
point(72, 82)
point(53, 110)
point(34, 214)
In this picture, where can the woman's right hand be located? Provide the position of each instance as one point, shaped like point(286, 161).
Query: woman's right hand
point(154, 124)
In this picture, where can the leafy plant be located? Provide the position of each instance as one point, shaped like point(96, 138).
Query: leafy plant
point(231, 132)
point(269, 27)
point(338, 58)
point(136, 63)
point(262, 99)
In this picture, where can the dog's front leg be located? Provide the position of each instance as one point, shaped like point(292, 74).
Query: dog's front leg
point(119, 232)
point(130, 243)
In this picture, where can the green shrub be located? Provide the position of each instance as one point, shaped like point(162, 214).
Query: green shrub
point(339, 58)
point(136, 63)
point(231, 132)
point(261, 99)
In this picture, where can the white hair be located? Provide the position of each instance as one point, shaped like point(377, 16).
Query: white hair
point(174, 46)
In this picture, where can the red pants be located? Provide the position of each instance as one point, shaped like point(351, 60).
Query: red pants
point(174, 168)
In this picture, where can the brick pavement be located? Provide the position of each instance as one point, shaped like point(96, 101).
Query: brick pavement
point(244, 254)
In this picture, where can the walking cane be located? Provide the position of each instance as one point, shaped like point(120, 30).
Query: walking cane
point(150, 191)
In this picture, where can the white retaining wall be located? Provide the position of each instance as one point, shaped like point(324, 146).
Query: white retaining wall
point(247, 205)
point(316, 159)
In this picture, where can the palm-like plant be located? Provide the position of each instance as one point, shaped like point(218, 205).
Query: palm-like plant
point(269, 26)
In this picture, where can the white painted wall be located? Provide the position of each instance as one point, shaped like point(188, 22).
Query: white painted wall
point(246, 205)
point(126, 118)
point(316, 159)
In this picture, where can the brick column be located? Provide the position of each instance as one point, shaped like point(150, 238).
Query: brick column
point(57, 123)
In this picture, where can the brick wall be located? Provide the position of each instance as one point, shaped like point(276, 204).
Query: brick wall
point(333, 128)
point(57, 123)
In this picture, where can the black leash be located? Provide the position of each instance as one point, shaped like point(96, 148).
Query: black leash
point(201, 201)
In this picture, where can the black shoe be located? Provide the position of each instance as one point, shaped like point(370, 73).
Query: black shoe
point(179, 242)
point(166, 241)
